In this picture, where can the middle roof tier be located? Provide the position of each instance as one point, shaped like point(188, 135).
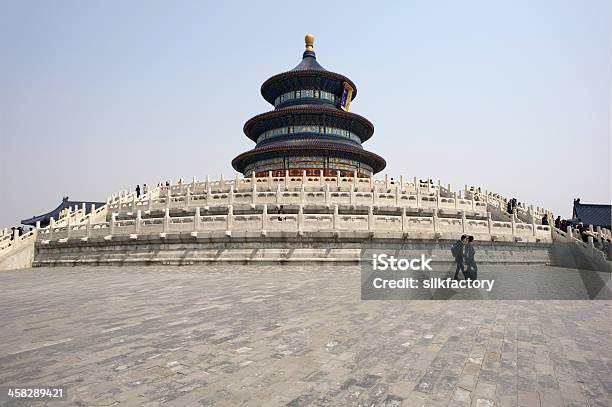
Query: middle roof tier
point(309, 115)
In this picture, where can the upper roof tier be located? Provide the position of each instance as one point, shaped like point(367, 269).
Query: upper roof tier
point(308, 74)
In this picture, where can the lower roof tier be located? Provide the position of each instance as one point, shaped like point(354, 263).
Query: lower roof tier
point(308, 156)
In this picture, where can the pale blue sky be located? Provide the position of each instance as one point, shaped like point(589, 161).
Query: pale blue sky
point(99, 96)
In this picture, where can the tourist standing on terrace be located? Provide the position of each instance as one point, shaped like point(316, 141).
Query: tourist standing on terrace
point(457, 250)
point(280, 212)
point(545, 220)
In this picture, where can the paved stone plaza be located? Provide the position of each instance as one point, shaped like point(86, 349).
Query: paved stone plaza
point(290, 335)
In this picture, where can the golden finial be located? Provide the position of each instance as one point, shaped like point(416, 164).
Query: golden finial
point(309, 38)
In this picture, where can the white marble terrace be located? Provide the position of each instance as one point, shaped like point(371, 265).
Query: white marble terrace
point(414, 209)
point(394, 208)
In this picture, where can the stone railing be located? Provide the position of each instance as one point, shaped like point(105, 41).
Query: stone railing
point(592, 234)
point(8, 245)
point(210, 206)
point(18, 251)
point(259, 220)
point(79, 218)
point(72, 215)
point(570, 235)
point(296, 182)
point(131, 200)
point(5, 240)
point(77, 215)
point(199, 190)
point(523, 213)
point(191, 196)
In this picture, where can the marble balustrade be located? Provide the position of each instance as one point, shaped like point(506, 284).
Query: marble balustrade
point(303, 191)
point(262, 220)
point(324, 196)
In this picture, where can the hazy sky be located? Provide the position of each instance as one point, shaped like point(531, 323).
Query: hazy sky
point(99, 96)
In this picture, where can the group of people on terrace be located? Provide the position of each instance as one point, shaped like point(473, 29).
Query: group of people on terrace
point(600, 242)
point(511, 205)
point(144, 190)
point(168, 183)
point(20, 231)
point(561, 224)
point(582, 232)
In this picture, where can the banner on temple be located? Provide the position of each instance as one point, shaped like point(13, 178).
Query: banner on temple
point(347, 94)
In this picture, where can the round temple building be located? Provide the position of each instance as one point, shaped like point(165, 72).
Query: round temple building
point(310, 128)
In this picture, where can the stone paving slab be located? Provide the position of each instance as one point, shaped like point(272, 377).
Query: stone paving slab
point(229, 335)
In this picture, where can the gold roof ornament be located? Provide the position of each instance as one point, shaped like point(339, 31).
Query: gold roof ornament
point(309, 38)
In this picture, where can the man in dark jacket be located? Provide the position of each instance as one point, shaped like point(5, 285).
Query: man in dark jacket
point(457, 251)
point(469, 260)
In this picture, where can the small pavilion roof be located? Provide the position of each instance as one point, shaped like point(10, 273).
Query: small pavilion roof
point(593, 214)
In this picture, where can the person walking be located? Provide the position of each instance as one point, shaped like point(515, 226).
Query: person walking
point(137, 191)
point(558, 222)
point(145, 189)
point(469, 260)
point(545, 219)
point(457, 251)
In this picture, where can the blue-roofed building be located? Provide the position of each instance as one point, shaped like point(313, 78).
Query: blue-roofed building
point(592, 214)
